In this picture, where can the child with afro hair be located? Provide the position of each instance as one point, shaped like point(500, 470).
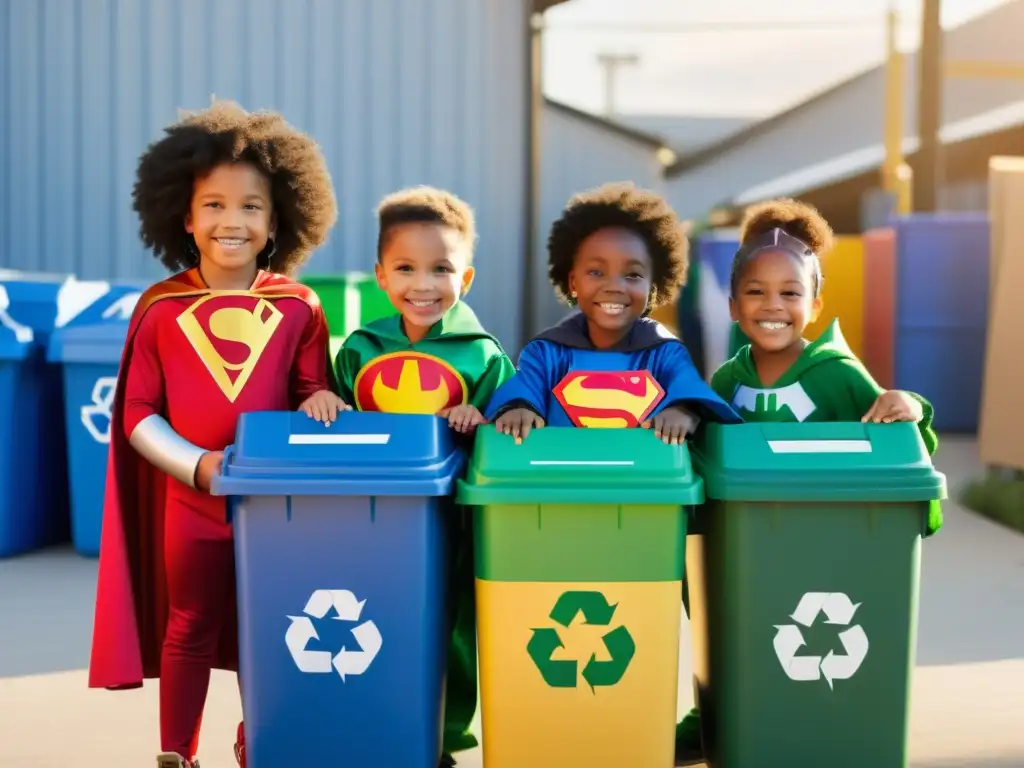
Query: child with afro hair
point(775, 291)
point(616, 253)
point(234, 203)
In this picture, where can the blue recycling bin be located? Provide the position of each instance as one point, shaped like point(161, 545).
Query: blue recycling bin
point(28, 494)
point(87, 346)
point(341, 548)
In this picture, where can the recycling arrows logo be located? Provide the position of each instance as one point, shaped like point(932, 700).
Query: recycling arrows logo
point(95, 415)
point(563, 673)
point(346, 662)
point(838, 610)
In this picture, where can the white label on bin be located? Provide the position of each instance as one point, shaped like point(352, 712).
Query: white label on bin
point(580, 463)
point(820, 446)
point(96, 415)
point(346, 662)
point(838, 610)
point(371, 439)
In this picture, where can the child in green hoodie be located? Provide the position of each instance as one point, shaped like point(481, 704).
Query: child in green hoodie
point(775, 293)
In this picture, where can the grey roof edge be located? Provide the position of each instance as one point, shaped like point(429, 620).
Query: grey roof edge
point(699, 158)
point(641, 137)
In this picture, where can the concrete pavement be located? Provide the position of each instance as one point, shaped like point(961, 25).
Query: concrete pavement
point(968, 695)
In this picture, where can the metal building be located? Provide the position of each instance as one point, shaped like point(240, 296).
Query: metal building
point(580, 151)
point(843, 127)
point(398, 92)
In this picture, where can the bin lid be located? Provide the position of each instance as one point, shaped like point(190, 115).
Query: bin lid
point(569, 465)
point(101, 342)
point(85, 302)
point(839, 461)
point(286, 453)
point(16, 340)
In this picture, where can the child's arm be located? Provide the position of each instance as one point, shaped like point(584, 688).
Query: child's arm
point(874, 403)
point(311, 372)
point(686, 390)
point(499, 370)
point(313, 387)
point(346, 367)
point(144, 424)
point(527, 388)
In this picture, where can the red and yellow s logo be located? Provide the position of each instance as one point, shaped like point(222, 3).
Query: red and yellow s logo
point(608, 398)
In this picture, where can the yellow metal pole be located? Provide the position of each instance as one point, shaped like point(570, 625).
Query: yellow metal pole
point(896, 175)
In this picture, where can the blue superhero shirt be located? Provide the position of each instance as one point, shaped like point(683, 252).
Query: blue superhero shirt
point(566, 347)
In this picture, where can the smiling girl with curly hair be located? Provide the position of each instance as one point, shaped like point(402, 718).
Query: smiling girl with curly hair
point(616, 252)
point(233, 202)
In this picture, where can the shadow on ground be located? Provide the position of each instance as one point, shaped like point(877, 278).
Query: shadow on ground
point(46, 600)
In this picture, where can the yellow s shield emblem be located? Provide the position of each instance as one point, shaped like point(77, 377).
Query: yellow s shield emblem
point(250, 326)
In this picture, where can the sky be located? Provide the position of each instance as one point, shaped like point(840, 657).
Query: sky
point(737, 72)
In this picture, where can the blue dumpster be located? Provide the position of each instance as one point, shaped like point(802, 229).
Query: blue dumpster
point(28, 492)
point(341, 540)
point(87, 344)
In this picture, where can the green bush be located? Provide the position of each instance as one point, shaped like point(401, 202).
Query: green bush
point(998, 497)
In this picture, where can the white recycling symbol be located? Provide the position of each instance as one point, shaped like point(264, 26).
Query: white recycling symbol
point(838, 610)
point(345, 662)
point(99, 409)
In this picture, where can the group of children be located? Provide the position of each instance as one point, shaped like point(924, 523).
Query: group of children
point(233, 203)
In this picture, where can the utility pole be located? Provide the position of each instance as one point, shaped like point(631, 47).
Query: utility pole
point(896, 174)
point(929, 167)
point(612, 62)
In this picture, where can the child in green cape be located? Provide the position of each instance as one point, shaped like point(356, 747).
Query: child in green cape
point(775, 293)
point(432, 357)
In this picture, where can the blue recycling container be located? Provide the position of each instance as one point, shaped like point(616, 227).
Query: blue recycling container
point(30, 301)
point(29, 497)
point(87, 344)
point(715, 249)
point(941, 313)
point(341, 542)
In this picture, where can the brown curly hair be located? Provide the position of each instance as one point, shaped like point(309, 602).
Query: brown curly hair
point(796, 219)
point(428, 205)
point(621, 205)
point(301, 187)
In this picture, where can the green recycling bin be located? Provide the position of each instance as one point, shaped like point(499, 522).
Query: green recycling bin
point(803, 588)
point(579, 564)
point(350, 300)
point(373, 302)
point(339, 296)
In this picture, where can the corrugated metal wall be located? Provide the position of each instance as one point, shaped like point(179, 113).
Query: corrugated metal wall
point(398, 92)
point(577, 155)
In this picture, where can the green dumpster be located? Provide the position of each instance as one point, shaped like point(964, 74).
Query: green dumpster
point(579, 564)
point(373, 302)
point(804, 591)
point(339, 296)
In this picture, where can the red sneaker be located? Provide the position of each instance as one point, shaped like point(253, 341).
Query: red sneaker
point(240, 745)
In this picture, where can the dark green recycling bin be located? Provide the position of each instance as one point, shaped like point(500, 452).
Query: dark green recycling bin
point(803, 584)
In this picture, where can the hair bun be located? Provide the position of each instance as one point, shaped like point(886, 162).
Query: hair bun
point(797, 219)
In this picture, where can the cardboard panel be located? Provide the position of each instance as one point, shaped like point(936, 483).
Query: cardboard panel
point(1002, 418)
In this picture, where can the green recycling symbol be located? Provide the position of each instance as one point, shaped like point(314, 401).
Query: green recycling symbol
point(596, 612)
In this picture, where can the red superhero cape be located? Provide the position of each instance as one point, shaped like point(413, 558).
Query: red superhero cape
point(131, 595)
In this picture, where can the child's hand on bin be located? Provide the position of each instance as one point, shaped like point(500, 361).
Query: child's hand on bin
point(894, 405)
point(324, 406)
point(671, 425)
point(463, 418)
point(518, 422)
point(209, 465)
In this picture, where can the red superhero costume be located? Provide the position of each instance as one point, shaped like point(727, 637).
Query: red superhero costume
point(165, 598)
